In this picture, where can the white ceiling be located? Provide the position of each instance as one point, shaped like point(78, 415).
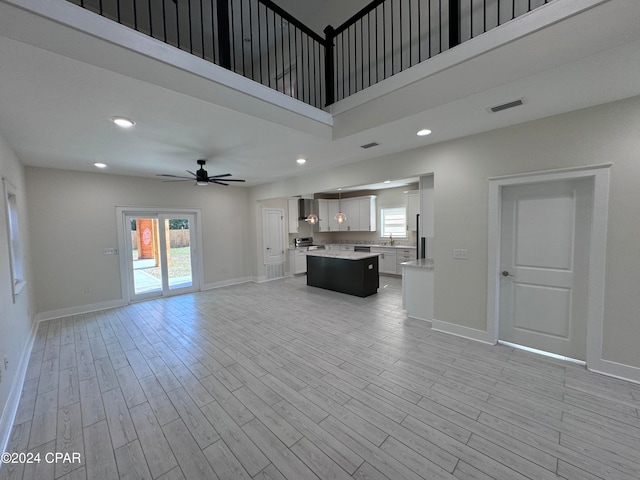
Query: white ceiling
point(59, 86)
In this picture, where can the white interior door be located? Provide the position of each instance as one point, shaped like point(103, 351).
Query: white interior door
point(161, 253)
point(544, 261)
point(273, 235)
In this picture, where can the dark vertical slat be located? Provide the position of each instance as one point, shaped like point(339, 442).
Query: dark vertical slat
point(251, 57)
point(202, 29)
point(470, 18)
point(454, 23)
point(260, 43)
point(295, 49)
point(266, 23)
point(224, 44)
point(231, 21)
point(419, 31)
point(190, 27)
point(377, 57)
point(369, 45)
point(275, 52)
point(393, 55)
point(150, 19)
point(135, 14)
point(513, 9)
point(282, 46)
point(177, 25)
point(241, 42)
point(384, 43)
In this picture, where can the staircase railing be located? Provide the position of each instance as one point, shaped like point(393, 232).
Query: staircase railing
point(254, 38)
point(261, 41)
point(389, 36)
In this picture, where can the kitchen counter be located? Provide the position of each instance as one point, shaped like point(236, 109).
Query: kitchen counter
point(342, 254)
point(426, 263)
point(354, 273)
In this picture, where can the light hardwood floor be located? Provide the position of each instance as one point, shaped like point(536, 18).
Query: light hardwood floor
point(280, 380)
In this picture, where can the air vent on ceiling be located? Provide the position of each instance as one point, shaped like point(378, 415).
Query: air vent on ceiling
point(369, 145)
point(506, 106)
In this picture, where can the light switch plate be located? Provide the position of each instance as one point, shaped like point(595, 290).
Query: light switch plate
point(460, 254)
point(111, 251)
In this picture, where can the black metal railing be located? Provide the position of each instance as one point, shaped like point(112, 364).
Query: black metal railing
point(261, 41)
point(254, 38)
point(389, 36)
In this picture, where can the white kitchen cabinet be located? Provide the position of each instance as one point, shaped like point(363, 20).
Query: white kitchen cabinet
point(367, 214)
point(413, 208)
point(360, 213)
point(293, 215)
point(327, 210)
point(386, 260)
point(298, 261)
point(404, 255)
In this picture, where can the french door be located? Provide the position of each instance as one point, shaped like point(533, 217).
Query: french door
point(161, 255)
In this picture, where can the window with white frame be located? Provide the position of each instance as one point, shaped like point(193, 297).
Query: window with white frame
point(14, 241)
point(393, 222)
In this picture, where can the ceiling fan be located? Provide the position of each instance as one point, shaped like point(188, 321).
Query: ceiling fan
point(201, 176)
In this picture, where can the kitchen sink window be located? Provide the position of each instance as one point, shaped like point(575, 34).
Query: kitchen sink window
point(393, 222)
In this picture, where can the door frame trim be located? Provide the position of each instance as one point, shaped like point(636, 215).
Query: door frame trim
point(597, 249)
point(121, 213)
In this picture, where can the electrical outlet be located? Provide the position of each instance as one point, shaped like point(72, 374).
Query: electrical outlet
point(6, 363)
point(460, 254)
point(87, 289)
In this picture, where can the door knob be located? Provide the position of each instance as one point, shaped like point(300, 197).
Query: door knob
point(506, 274)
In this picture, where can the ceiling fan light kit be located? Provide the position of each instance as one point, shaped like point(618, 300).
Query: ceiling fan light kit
point(201, 176)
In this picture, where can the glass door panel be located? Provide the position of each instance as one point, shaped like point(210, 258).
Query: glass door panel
point(178, 248)
point(161, 253)
point(146, 260)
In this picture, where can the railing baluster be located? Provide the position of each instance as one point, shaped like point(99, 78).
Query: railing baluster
point(320, 70)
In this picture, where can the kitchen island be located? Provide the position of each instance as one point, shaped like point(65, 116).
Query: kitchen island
point(354, 273)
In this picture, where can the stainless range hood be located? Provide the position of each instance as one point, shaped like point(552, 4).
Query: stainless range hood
point(306, 206)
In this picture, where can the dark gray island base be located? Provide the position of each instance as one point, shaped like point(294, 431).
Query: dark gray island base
point(355, 273)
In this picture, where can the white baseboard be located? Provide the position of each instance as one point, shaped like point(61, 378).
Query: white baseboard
point(79, 310)
point(226, 283)
point(616, 370)
point(11, 407)
point(264, 279)
point(462, 331)
point(603, 367)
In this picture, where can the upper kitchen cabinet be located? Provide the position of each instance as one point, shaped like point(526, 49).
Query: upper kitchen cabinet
point(327, 210)
point(360, 213)
point(413, 209)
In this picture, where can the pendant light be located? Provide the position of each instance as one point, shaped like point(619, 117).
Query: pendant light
point(340, 216)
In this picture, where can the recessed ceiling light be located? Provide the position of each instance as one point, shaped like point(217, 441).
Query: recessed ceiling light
point(100, 165)
point(424, 132)
point(123, 122)
point(301, 161)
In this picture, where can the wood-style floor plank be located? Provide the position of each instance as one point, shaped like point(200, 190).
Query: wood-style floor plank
point(280, 381)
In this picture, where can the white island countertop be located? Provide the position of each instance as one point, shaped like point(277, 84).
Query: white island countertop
point(342, 254)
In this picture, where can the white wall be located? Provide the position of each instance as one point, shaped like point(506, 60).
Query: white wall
point(73, 219)
point(607, 133)
point(15, 318)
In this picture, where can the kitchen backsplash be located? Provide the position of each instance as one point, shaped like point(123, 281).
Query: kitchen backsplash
point(360, 238)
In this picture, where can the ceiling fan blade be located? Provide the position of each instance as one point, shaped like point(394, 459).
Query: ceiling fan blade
point(219, 183)
point(189, 171)
point(229, 180)
point(220, 176)
point(179, 180)
point(171, 176)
